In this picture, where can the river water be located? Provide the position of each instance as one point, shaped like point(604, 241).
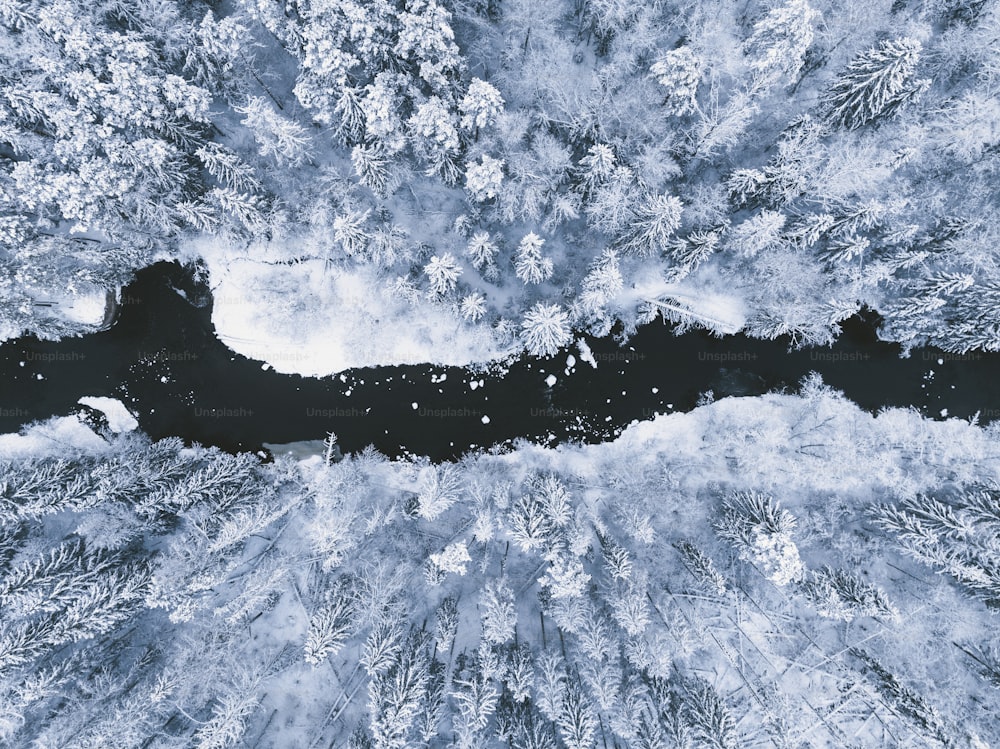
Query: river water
point(164, 362)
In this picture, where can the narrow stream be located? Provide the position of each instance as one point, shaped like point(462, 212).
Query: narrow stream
point(164, 362)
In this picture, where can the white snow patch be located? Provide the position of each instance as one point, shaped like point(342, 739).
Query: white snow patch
point(585, 352)
point(312, 319)
point(550, 380)
point(55, 437)
point(119, 418)
point(485, 419)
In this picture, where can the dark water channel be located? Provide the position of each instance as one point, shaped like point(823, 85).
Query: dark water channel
point(164, 362)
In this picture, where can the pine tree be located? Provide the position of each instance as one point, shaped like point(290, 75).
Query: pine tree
point(480, 106)
point(520, 672)
point(373, 169)
point(654, 223)
point(443, 272)
point(603, 283)
point(576, 720)
point(596, 168)
point(702, 567)
point(475, 696)
point(839, 594)
point(499, 613)
point(483, 179)
point(440, 488)
point(778, 43)
point(229, 717)
point(877, 84)
point(481, 250)
point(446, 624)
point(545, 329)
point(473, 307)
point(351, 232)
point(329, 626)
point(529, 523)
point(707, 714)
point(395, 695)
point(529, 265)
point(679, 72)
point(761, 532)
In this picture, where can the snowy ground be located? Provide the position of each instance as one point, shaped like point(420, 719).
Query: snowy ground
point(56, 437)
point(314, 320)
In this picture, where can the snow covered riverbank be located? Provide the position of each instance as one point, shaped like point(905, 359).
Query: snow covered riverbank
point(739, 568)
point(305, 317)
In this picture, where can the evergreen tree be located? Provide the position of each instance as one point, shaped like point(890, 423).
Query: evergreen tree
point(778, 43)
point(443, 273)
point(877, 84)
point(545, 329)
point(529, 265)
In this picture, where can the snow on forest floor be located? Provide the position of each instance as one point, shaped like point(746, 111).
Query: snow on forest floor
point(303, 317)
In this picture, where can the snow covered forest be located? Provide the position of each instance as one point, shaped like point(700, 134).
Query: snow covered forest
point(783, 571)
point(387, 182)
point(508, 171)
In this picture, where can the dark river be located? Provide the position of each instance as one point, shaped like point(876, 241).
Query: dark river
point(164, 362)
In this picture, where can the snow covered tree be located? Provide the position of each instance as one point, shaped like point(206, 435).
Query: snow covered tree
point(483, 178)
point(708, 715)
point(329, 626)
point(395, 695)
point(545, 329)
point(480, 106)
point(839, 594)
point(443, 272)
point(454, 558)
point(529, 523)
point(276, 135)
point(656, 219)
point(757, 234)
point(373, 169)
point(778, 43)
point(529, 265)
point(427, 41)
point(761, 532)
point(446, 624)
point(877, 84)
point(482, 250)
point(577, 720)
point(702, 567)
point(475, 695)
point(596, 168)
point(498, 612)
point(612, 205)
point(473, 307)
point(679, 72)
point(599, 288)
point(440, 488)
point(434, 129)
point(350, 230)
